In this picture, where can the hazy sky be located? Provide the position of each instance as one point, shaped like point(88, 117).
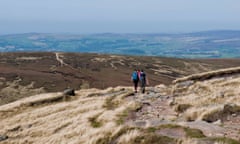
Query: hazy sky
point(119, 16)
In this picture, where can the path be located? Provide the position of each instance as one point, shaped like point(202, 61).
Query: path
point(156, 111)
point(59, 59)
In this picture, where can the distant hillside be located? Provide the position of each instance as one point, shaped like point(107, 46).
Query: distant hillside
point(209, 44)
point(24, 74)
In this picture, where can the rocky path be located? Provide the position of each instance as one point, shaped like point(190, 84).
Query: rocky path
point(156, 111)
point(155, 108)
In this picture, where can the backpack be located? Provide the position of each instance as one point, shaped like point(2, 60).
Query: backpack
point(135, 76)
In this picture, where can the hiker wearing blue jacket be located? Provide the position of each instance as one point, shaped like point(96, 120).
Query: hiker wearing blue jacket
point(135, 79)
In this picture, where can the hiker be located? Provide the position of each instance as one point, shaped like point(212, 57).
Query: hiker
point(139, 73)
point(143, 80)
point(135, 79)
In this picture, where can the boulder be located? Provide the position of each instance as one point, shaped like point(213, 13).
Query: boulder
point(3, 137)
point(218, 122)
point(69, 92)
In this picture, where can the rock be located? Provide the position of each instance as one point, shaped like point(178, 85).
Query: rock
point(171, 102)
point(16, 128)
point(221, 94)
point(170, 117)
point(28, 126)
point(122, 89)
point(161, 86)
point(3, 137)
point(208, 129)
point(185, 83)
point(151, 94)
point(140, 123)
point(234, 115)
point(69, 92)
point(228, 118)
point(146, 103)
point(218, 122)
point(154, 122)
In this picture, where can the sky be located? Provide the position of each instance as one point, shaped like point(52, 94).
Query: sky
point(118, 16)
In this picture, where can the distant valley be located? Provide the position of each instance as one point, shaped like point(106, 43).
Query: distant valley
point(209, 44)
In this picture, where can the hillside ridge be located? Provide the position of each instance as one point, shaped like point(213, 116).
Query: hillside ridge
point(27, 73)
point(203, 111)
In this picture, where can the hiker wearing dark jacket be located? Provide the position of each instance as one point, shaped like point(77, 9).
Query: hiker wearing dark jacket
point(143, 80)
point(135, 79)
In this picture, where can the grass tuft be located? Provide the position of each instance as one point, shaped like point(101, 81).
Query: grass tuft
point(110, 104)
point(85, 85)
point(151, 129)
point(122, 116)
point(110, 139)
point(94, 122)
point(224, 140)
point(194, 133)
point(170, 126)
point(152, 139)
point(182, 107)
point(104, 140)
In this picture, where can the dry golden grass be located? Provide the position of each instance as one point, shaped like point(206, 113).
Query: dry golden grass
point(128, 136)
point(208, 94)
point(208, 75)
point(49, 118)
point(96, 116)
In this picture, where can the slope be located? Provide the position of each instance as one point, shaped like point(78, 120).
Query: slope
point(200, 111)
point(26, 73)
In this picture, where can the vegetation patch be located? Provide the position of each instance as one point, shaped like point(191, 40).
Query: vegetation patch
point(128, 94)
point(122, 117)
point(224, 140)
point(194, 133)
point(170, 126)
point(104, 140)
point(189, 132)
point(151, 138)
point(221, 113)
point(144, 138)
point(85, 85)
point(112, 139)
point(151, 129)
point(94, 122)
point(110, 104)
point(182, 107)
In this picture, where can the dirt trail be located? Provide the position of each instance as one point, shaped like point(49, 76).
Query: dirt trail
point(58, 55)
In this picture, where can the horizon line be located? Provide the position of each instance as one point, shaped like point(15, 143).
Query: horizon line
point(133, 33)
